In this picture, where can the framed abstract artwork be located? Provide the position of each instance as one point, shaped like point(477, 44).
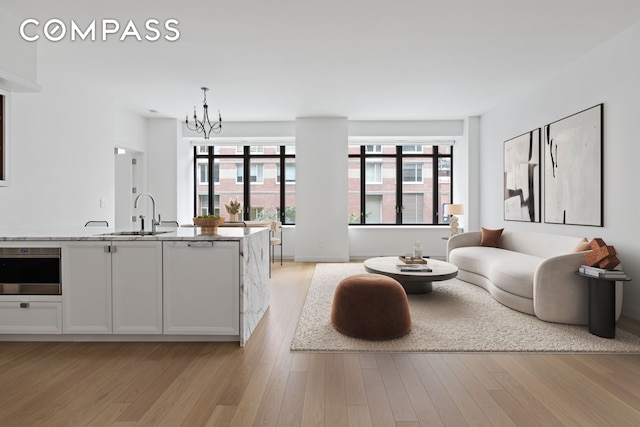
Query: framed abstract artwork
point(573, 169)
point(522, 172)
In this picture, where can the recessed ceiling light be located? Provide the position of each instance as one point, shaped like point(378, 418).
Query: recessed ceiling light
point(153, 111)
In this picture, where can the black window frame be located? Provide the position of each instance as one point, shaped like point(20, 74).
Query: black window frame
point(243, 158)
point(400, 153)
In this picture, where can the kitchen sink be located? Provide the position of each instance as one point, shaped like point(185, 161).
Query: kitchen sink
point(135, 233)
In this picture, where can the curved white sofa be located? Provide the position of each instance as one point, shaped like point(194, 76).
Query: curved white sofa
point(531, 272)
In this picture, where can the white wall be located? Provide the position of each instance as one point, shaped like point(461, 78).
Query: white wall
point(609, 75)
point(162, 167)
point(321, 189)
point(17, 58)
point(62, 156)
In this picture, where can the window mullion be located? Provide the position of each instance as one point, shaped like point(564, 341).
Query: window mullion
point(210, 161)
point(363, 185)
point(282, 184)
point(399, 207)
point(435, 208)
point(246, 181)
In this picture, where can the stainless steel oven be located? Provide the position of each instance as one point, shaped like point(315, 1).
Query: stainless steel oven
point(30, 271)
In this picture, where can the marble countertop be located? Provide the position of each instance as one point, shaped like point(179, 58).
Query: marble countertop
point(102, 233)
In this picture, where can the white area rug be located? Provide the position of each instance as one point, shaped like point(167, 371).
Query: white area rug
point(456, 317)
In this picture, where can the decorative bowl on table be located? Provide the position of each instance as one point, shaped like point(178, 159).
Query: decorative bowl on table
point(209, 223)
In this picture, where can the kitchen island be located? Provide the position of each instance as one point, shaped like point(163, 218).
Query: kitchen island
point(179, 284)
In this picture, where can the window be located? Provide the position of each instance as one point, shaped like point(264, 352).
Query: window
point(216, 173)
point(256, 174)
point(262, 194)
point(203, 173)
point(412, 148)
point(412, 172)
point(289, 173)
point(373, 148)
point(203, 204)
point(399, 184)
point(374, 172)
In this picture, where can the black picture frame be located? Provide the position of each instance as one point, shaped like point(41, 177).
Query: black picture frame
point(522, 168)
point(573, 163)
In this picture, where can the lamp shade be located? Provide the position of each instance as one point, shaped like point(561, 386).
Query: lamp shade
point(454, 209)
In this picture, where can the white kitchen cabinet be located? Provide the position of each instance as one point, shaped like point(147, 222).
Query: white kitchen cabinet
point(30, 315)
point(112, 287)
point(137, 287)
point(201, 287)
point(86, 287)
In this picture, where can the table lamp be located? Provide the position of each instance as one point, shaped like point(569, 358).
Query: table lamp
point(452, 210)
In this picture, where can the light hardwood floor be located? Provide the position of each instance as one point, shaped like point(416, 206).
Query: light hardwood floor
point(220, 384)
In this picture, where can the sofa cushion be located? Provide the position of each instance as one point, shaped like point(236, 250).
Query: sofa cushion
point(491, 238)
point(510, 271)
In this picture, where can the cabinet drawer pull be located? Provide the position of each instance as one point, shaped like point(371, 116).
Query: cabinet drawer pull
point(200, 244)
point(24, 305)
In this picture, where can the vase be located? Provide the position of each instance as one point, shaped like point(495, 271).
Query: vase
point(233, 217)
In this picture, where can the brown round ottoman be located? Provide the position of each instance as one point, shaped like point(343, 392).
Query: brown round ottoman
point(371, 306)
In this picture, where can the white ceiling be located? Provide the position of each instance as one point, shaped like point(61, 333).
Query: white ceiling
point(363, 59)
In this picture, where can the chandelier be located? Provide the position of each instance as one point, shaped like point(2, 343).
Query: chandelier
point(204, 126)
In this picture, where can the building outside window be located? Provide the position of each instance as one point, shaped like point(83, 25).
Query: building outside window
point(263, 195)
point(398, 184)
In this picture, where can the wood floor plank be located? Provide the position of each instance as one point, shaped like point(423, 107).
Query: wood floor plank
point(180, 360)
point(45, 402)
point(252, 396)
point(463, 400)
point(379, 407)
point(468, 379)
point(335, 410)
point(519, 415)
point(395, 389)
point(482, 368)
point(353, 381)
point(625, 388)
point(520, 393)
point(221, 416)
point(444, 404)
point(293, 403)
point(423, 406)
point(270, 404)
point(602, 407)
point(545, 390)
point(205, 405)
point(179, 398)
point(359, 416)
point(108, 415)
point(314, 393)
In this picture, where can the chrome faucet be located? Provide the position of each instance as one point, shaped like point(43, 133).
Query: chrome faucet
point(154, 223)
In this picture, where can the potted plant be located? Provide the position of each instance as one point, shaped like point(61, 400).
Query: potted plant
point(233, 208)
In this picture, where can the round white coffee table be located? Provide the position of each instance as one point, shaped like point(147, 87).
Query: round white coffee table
point(418, 282)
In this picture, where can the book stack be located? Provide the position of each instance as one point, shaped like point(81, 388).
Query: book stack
point(602, 273)
point(416, 268)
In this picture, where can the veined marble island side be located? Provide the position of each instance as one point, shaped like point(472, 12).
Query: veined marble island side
point(181, 284)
